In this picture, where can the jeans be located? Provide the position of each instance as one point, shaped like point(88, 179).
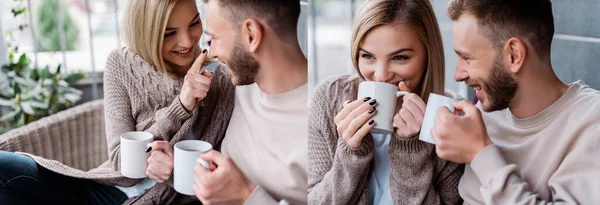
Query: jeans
point(22, 181)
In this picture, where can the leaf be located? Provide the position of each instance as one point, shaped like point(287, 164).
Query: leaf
point(21, 120)
point(74, 78)
point(39, 105)
point(23, 61)
point(45, 73)
point(17, 89)
point(62, 83)
point(27, 108)
point(10, 115)
point(35, 92)
point(72, 97)
point(11, 74)
point(47, 82)
point(7, 102)
point(22, 27)
point(18, 11)
point(11, 55)
point(57, 70)
point(34, 75)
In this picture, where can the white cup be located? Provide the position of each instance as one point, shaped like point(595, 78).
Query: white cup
point(435, 101)
point(186, 158)
point(386, 95)
point(134, 159)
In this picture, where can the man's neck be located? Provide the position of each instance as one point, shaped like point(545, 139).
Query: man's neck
point(538, 89)
point(282, 70)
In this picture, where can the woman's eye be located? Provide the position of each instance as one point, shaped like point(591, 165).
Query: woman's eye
point(366, 56)
point(195, 24)
point(399, 58)
point(169, 34)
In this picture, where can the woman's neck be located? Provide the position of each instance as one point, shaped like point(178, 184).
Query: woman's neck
point(180, 71)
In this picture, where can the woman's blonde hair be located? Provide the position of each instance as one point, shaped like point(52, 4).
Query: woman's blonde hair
point(143, 24)
point(417, 15)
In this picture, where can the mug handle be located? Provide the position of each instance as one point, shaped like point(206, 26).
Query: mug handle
point(205, 164)
point(401, 93)
point(450, 107)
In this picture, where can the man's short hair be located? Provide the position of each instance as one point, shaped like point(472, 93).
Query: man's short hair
point(281, 15)
point(499, 20)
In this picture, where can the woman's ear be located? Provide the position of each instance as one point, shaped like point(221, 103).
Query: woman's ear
point(252, 33)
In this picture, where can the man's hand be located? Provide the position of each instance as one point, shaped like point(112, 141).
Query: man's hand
point(459, 138)
point(223, 184)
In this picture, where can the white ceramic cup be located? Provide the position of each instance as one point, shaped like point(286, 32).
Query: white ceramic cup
point(134, 159)
point(186, 158)
point(435, 101)
point(386, 95)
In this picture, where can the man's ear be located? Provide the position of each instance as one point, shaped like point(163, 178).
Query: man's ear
point(252, 33)
point(516, 53)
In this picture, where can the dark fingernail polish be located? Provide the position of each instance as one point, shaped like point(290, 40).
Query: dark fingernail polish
point(371, 122)
point(367, 99)
point(373, 101)
point(371, 111)
point(204, 51)
point(149, 149)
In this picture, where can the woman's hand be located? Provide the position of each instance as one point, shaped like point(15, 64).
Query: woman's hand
point(353, 122)
point(160, 162)
point(410, 117)
point(195, 84)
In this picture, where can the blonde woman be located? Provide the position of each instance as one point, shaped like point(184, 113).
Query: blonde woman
point(152, 85)
point(396, 42)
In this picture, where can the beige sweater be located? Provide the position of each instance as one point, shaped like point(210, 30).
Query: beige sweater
point(338, 173)
point(138, 98)
point(552, 157)
point(267, 139)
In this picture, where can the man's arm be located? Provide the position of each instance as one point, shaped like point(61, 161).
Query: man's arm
point(576, 181)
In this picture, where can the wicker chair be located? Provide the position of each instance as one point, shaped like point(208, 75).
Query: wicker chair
point(75, 137)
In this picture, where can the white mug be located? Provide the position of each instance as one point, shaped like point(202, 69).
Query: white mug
point(435, 101)
point(386, 96)
point(134, 159)
point(186, 158)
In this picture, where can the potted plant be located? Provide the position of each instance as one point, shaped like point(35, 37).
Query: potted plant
point(30, 94)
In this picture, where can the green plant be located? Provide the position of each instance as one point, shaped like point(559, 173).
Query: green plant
point(27, 94)
point(47, 32)
point(34, 93)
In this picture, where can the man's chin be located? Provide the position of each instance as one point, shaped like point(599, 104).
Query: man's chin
point(486, 106)
point(490, 106)
point(235, 81)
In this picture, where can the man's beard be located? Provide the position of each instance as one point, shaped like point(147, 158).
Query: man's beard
point(500, 88)
point(243, 66)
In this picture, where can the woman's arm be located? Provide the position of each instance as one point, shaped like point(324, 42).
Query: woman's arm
point(337, 172)
point(118, 113)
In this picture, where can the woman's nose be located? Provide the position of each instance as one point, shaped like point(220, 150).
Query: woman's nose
point(185, 40)
point(382, 73)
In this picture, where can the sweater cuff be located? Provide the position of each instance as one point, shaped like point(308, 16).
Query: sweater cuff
point(365, 148)
point(410, 145)
point(177, 110)
point(487, 162)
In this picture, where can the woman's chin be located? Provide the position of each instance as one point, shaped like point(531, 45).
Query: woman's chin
point(183, 62)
